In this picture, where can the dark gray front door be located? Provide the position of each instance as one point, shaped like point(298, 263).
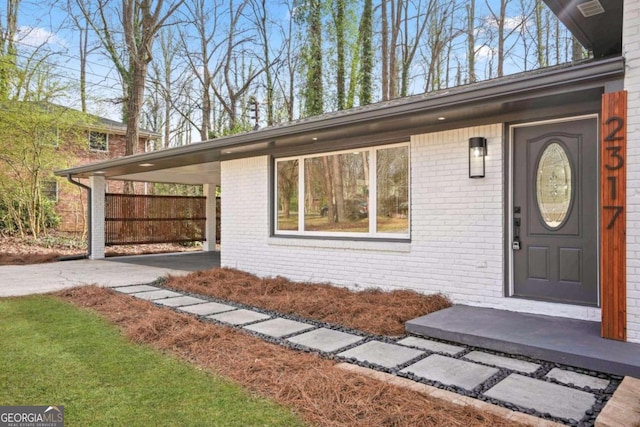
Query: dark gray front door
point(555, 202)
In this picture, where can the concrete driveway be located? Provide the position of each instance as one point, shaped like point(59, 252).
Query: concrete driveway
point(17, 280)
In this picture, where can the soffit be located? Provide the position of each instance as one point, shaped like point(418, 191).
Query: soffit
point(601, 32)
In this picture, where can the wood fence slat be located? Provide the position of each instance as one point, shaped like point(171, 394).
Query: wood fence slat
point(138, 219)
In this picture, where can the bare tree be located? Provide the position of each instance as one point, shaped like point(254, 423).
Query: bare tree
point(234, 86)
point(290, 63)
point(262, 25)
point(129, 44)
point(203, 15)
point(499, 19)
point(413, 30)
point(471, 40)
point(81, 25)
point(392, 12)
point(438, 39)
point(505, 29)
point(163, 68)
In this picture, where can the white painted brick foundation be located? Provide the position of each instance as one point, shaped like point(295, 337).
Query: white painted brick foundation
point(457, 234)
point(631, 52)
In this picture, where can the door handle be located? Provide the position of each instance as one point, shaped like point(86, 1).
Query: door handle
point(515, 245)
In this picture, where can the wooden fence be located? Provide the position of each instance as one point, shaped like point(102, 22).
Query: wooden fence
point(137, 219)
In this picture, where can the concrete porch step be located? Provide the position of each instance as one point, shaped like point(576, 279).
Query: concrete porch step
point(567, 341)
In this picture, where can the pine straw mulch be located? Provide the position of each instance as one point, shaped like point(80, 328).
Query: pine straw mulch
point(370, 310)
point(321, 394)
point(25, 259)
point(17, 250)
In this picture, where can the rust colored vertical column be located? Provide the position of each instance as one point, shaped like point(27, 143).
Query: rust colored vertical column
point(613, 224)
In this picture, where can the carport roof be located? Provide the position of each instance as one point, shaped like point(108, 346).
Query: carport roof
point(504, 99)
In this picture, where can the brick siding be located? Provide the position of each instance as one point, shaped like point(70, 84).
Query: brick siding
point(72, 201)
point(457, 235)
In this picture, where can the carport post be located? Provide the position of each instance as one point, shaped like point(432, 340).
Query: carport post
point(209, 190)
point(98, 186)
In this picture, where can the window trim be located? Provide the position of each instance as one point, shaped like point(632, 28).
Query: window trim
point(106, 149)
point(57, 190)
point(372, 234)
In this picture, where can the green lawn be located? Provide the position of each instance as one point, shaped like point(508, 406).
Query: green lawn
point(54, 354)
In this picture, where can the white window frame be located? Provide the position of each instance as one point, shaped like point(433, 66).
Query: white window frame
point(106, 149)
point(57, 190)
point(372, 200)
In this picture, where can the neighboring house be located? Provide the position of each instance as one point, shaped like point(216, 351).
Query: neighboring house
point(516, 193)
point(105, 139)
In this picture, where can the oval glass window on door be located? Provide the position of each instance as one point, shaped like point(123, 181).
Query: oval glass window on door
point(553, 185)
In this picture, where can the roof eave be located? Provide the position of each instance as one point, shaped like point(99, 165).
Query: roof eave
point(592, 73)
point(117, 130)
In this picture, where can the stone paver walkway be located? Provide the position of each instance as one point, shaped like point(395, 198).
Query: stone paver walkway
point(549, 391)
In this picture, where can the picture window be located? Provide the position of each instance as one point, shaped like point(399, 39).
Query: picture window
point(358, 193)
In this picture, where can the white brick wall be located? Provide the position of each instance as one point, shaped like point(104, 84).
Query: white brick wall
point(456, 232)
point(631, 52)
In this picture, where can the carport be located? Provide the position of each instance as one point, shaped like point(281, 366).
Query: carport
point(200, 163)
point(168, 166)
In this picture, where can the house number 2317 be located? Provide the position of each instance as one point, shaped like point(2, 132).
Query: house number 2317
point(613, 161)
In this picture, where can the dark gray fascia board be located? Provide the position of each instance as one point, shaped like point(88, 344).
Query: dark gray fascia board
point(520, 86)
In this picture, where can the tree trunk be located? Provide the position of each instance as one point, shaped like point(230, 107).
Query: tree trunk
point(328, 190)
point(539, 33)
point(501, 20)
point(338, 190)
point(134, 107)
point(396, 17)
point(557, 40)
point(340, 48)
point(314, 90)
point(366, 55)
point(385, 51)
point(206, 105)
point(471, 40)
point(84, 46)
point(8, 52)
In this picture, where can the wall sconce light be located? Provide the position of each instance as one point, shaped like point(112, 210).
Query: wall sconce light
point(477, 153)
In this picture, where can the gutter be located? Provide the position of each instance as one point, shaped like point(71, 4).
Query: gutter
point(589, 74)
point(89, 221)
